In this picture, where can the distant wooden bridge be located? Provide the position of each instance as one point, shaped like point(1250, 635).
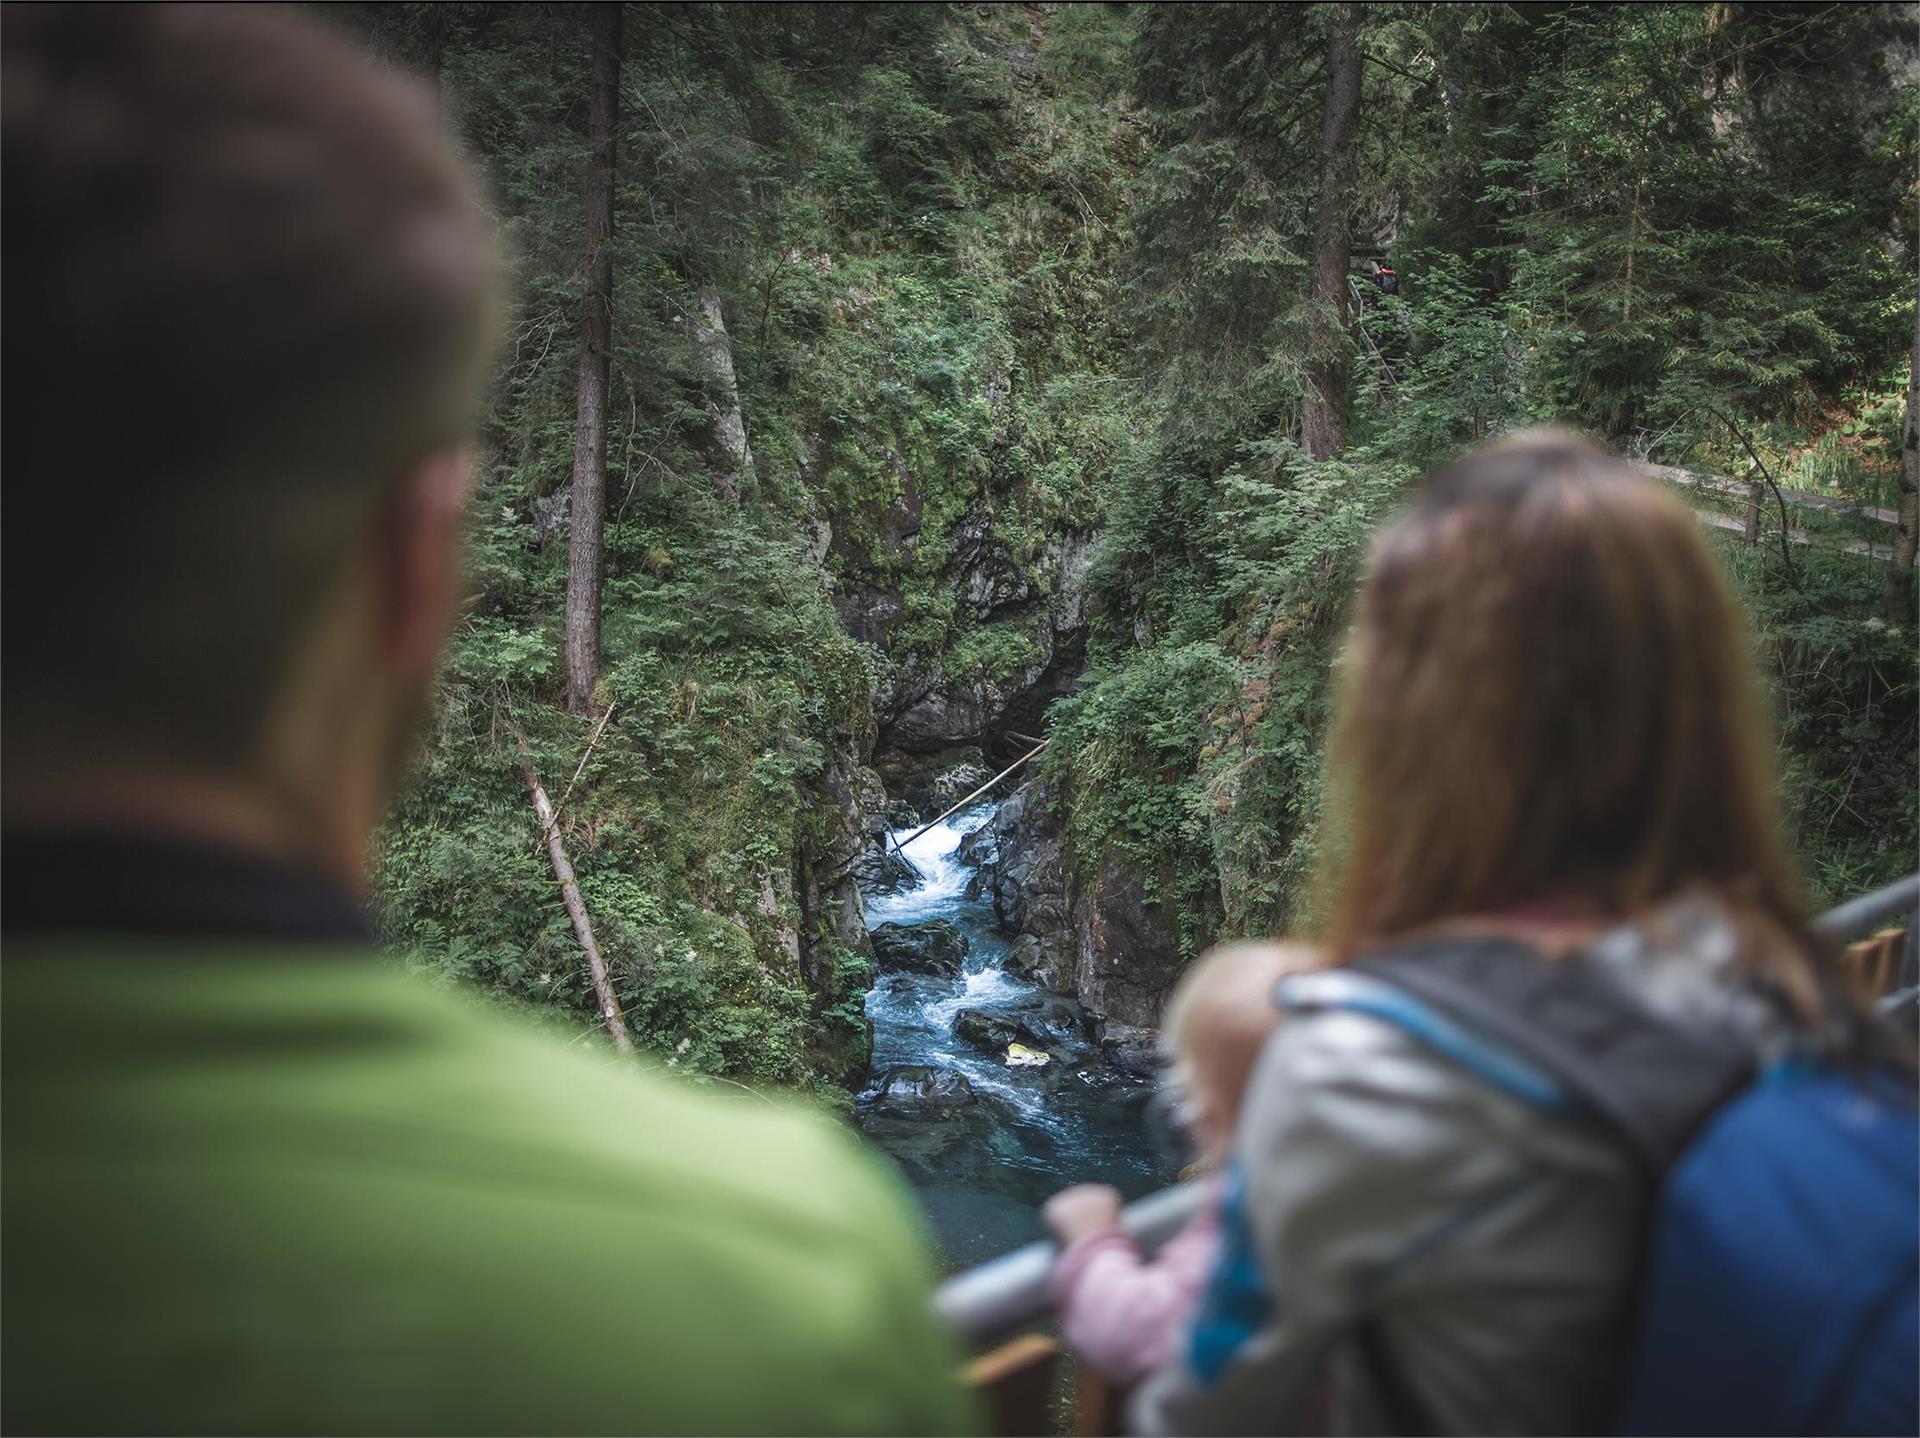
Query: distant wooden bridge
point(1756, 495)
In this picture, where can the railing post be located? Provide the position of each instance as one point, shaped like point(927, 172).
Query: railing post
point(1018, 1380)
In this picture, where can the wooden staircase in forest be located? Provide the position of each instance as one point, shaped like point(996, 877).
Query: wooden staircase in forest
point(1030, 1384)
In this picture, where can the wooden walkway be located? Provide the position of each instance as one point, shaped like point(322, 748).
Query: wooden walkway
point(1795, 499)
point(1865, 548)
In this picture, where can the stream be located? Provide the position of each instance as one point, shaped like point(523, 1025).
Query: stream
point(983, 1166)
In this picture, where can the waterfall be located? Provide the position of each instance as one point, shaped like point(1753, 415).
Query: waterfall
point(943, 878)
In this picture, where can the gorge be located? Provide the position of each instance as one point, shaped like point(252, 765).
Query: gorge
point(978, 371)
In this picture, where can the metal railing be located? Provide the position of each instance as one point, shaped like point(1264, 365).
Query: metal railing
point(1856, 916)
point(1005, 1292)
point(1010, 1290)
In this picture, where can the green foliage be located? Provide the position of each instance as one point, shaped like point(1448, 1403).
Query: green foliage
point(1844, 684)
point(490, 651)
point(911, 216)
point(1683, 228)
point(1125, 757)
point(996, 278)
point(992, 653)
point(1686, 192)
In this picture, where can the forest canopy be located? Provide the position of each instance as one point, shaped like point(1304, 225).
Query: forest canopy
point(904, 377)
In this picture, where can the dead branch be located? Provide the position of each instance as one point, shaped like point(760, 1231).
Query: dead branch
point(576, 908)
point(1786, 555)
point(948, 813)
point(581, 767)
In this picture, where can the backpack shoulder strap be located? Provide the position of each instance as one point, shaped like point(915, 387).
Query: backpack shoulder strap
point(1648, 1078)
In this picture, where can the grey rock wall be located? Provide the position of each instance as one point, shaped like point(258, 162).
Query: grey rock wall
point(1094, 935)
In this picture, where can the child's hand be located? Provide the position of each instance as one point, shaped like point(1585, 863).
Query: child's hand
point(1086, 1208)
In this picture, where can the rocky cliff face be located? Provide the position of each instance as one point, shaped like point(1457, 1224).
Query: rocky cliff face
point(938, 708)
point(833, 946)
point(1031, 609)
point(1095, 934)
point(1092, 934)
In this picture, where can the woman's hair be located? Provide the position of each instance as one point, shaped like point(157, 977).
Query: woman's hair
point(1548, 699)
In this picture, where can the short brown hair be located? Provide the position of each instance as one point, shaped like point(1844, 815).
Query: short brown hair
point(247, 286)
point(1548, 696)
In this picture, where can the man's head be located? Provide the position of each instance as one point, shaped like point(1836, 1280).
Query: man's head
point(249, 302)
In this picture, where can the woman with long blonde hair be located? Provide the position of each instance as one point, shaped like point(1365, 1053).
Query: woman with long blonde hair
point(1551, 743)
point(1548, 710)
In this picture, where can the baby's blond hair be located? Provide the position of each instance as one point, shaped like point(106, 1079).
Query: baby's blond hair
point(1220, 1013)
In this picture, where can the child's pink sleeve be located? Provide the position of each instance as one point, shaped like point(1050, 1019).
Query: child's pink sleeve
point(1125, 1315)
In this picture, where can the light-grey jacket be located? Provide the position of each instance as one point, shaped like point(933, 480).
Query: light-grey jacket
point(1392, 1176)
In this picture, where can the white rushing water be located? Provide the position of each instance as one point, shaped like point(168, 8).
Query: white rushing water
point(983, 1170)
point(943, 878)
point(979, 989)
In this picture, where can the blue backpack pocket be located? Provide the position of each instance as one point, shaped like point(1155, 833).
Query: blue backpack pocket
point(1781, 1292)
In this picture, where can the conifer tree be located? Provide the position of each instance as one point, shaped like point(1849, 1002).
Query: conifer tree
point(1324, 416)
point(585, 560)
point(1900, 576)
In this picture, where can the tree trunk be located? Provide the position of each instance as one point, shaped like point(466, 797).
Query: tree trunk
point(1633, 236)
point(435, 20)
point(729, 425)
point(1900, 577)
point(584, 558)
point(1324, 422)
point(576, 907)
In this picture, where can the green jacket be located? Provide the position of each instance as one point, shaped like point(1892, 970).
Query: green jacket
point(295, 1190)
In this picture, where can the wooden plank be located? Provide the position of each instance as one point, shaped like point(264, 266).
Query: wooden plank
point(1738, 525)
point(1017, 1380)
point(1875, 962)
point(1099, 1406)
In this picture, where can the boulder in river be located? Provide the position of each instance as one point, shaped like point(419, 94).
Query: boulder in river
point(1020, 1056)
point(977, 848)
point(933, 946)
point(1028, 957)
point(988, 1032)
point(918, 1087)
point(1055, 1025)
point(1131, 1049)
point(881, 870)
